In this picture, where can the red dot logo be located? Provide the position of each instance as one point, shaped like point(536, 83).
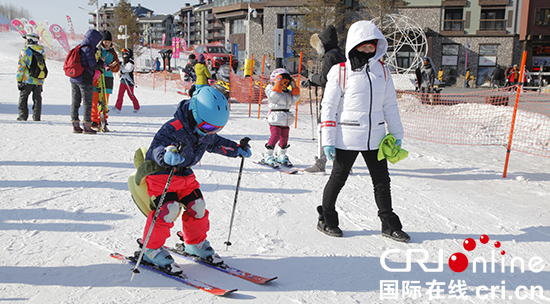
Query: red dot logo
point(497, 244)
point(469, 244)
point(503, 252)
point(458, 262)
point(484, 239)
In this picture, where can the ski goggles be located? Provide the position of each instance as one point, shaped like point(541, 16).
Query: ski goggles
point(208, 128)
point(367, 47)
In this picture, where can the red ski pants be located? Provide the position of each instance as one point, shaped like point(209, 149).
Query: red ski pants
point(194, 229)
point(121, 90)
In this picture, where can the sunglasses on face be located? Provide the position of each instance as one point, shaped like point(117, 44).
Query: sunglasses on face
point(208, 128)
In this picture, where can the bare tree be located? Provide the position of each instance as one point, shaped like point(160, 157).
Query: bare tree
point(318, 14)
point(377, 9)
point(11, 12)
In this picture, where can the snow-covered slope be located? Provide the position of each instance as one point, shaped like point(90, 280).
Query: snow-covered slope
point(65, 205)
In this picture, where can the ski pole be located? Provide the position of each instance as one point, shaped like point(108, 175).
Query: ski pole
point(180, 148)
point(317, 105)
point(244, 145)
point(311, 111)
point(103, 113)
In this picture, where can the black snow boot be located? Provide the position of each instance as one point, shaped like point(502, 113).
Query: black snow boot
point(328, 223)
point(391, 228)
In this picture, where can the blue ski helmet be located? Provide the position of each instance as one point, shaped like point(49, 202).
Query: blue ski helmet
point(210, 110)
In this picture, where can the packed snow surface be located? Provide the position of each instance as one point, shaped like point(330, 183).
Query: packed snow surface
point(65, 206)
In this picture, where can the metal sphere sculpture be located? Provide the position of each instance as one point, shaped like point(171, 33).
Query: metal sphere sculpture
point(403, 34)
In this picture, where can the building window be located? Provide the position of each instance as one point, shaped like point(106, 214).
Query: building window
point(238, 27)
point(492, 20)
point(487, 62)
point(542, 16)
point(449, 63)
point(453, 20)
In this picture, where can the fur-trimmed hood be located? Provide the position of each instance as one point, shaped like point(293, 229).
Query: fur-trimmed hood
point(326, 40)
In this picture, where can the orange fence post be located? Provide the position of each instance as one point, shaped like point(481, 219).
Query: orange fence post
point(229, 84)
point(261, 88)
point(518, 88)
point(299, 73)
point(251, 82)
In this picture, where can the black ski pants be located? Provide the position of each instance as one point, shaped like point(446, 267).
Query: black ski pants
point(380, 176)
point(23, 106)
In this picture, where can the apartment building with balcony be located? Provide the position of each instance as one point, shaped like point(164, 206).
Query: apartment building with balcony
point(106, 16)
point(468, 34)
point(156, 28)
point(534, 32)
point(198, 25)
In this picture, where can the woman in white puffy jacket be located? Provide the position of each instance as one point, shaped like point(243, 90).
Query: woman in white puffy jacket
point(282, 93)
point(358, 104)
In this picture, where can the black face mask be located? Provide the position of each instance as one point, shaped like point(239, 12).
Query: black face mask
point(359, 59)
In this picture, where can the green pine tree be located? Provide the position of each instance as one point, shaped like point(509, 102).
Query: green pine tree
point(125, 15)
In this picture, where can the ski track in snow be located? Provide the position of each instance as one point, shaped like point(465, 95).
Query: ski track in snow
point(65, 205)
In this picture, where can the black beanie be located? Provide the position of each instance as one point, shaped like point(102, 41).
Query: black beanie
point(107, 36)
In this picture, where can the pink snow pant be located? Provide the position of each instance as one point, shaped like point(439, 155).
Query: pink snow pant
point(121, 90)
point(194, 230)
point(278, 134)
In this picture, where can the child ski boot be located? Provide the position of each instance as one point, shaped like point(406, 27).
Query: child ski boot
point(161, 258)
point(268, 157)
point(201, 251)
point(282, 158)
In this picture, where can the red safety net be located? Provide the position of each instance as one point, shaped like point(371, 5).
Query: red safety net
point(480, 118)
point(251, 90)
point(477, 118)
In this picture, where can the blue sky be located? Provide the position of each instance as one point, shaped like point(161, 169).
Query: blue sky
point(55, 11)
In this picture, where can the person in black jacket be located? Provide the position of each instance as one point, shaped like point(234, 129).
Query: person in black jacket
point(326, 45)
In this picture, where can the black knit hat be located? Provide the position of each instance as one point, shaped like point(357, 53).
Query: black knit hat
point(107, 36)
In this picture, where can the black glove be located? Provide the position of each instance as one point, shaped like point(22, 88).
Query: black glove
point(20, 85)
point(305, 83)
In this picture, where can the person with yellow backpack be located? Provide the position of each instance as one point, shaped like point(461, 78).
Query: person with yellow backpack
point(31, 72)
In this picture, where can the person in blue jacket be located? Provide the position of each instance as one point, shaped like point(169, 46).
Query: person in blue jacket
point(194, 127)
point(82, 86)
point(157, 65)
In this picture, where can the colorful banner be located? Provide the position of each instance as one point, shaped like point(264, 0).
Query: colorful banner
point(19, 27)
point(174, 47)
point(71, 28)
point(29, 28)
point(44, 34)
point(32, 23)
point(178, 47)
point(59, 34)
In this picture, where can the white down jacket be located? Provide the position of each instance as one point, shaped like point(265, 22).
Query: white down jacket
point(359, 119)
point(280, 104)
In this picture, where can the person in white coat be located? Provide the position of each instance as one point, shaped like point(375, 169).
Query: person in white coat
point(358, 105)
point(282, 93)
